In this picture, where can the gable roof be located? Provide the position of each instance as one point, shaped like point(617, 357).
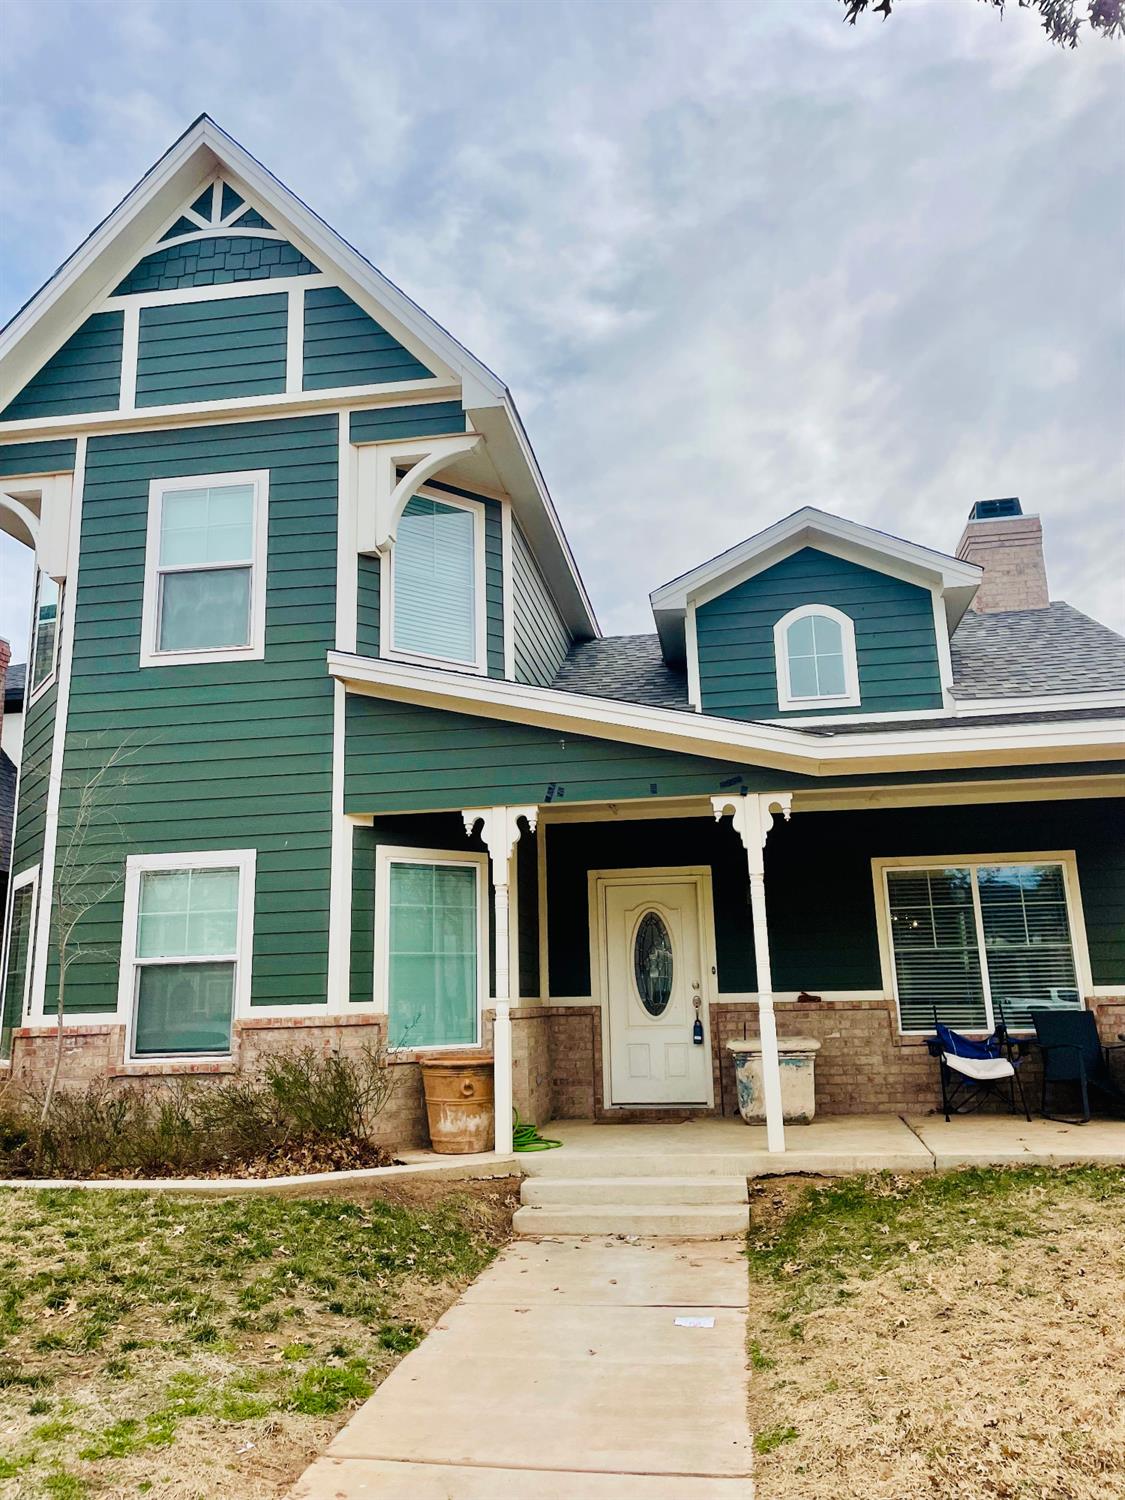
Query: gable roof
point(44, 323)
point(810, 527)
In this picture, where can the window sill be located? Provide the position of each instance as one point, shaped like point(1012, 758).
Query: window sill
point(438, 663)
point(255, 652)
point(164, 1067)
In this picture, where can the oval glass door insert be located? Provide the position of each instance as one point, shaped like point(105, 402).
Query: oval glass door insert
point(652, 963)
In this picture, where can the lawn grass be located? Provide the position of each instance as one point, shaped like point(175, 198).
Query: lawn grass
point(171, 1346)
point(956, 1335)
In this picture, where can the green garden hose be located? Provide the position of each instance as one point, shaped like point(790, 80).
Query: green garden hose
point(527, 1138)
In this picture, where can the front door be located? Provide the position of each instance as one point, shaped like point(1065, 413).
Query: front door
point(653, 972)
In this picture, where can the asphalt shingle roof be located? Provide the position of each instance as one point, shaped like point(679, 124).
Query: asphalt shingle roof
point(15, 681)
point(1008, 654)
point(1035, 651)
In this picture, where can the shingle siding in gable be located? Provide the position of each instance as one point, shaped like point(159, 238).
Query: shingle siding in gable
point(84, 375)
point(207, 351)
point(215, 260)
point(541, 638)
point(231, 755)
point(896, 645)
point(344, 346)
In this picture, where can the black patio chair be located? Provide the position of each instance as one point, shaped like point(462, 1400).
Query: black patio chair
point(1073, 1053)
point(974, 1071)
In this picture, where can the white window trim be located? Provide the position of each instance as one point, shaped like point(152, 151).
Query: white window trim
point(1065, 858)
point(385, 856)
point(30, 877)
point(786, 698)
point(245, 862)
point(387, 648)
point(35, 690)
point(256, 650)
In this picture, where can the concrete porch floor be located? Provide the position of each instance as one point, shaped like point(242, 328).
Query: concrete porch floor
point(830, 1146)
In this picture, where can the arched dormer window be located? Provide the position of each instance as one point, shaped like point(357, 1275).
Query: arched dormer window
point(814, 648)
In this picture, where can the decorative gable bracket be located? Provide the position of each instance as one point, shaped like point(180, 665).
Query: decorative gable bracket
point(383, 494)
point(42, 522)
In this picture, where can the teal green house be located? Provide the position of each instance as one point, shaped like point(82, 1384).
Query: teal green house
point(323, 743)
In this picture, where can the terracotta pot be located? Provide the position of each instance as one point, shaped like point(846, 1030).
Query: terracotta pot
point(459, 1102)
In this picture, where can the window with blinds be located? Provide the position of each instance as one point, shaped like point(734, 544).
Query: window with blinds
point(980, 943)
point(434, 563)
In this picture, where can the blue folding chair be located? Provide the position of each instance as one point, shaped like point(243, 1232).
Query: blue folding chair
point(973, 1071)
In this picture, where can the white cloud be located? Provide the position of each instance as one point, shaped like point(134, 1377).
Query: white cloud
point(730, 258)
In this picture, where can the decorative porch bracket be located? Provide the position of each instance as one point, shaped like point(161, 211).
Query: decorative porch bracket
point(500, 832)
point(753, 817)
point(383, 496)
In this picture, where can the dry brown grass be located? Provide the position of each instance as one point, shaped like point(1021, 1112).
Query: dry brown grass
point(944, 1339)
point(180, 1347)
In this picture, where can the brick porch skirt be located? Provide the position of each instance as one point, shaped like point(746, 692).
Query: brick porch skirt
point(863, 1066)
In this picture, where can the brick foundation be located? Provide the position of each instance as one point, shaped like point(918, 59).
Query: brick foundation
point(863, 1066)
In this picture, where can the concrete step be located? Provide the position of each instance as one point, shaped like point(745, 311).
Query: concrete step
point(707, 1221)
point(693, 1164)
point(610, 1192)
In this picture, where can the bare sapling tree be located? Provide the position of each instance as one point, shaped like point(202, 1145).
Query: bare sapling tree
point(89, 868)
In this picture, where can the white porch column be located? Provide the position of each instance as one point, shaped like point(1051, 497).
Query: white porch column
point(752, 816)
point(500, 831)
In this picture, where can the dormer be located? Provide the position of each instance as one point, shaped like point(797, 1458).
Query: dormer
point(816, 616)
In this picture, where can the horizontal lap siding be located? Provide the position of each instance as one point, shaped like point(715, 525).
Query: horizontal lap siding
point(205, 351)
point(426, 419)
point(541, 638)
point(31, 809)
point(402, 757)
point(84, 375)
point(344, 346)
point(367, 606)
point(37, 458)
point(234, 755)
point(215, 260)
point(896, 646)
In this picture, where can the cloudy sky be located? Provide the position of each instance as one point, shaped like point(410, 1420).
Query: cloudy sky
point(731, 258)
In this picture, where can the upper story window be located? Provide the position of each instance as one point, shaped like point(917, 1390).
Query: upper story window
point(436, 598)
point(814, 648)
point(45, 645)
point(205, 569)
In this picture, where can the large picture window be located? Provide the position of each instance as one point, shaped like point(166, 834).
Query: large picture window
point(432, 936)
point(437, 591)
point(189, 919)
point(980, 941)
point(205, 569)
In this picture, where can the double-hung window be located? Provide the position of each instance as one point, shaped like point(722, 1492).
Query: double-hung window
point(186, 957)
point(205, 569)
point(18, 956)
point(436, 598)
point(981, 940)
point(814, 651)
point(45, 632)
point(432, 936)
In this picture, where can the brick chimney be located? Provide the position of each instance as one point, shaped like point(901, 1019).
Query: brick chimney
point(1009, 547)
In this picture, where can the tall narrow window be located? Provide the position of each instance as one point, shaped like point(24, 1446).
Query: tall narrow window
point(17, 964)
point(814, 649)
point(45, 646)
point(190, 957)
point(205, 576)
point(437, 561)
point(433, 948)
point(980, 942)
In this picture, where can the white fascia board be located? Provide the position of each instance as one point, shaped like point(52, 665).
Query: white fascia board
point(100, 261)
point(810, 527)
point(727, 739)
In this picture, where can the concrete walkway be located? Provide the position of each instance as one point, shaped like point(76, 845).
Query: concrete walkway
point(562, 1373)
